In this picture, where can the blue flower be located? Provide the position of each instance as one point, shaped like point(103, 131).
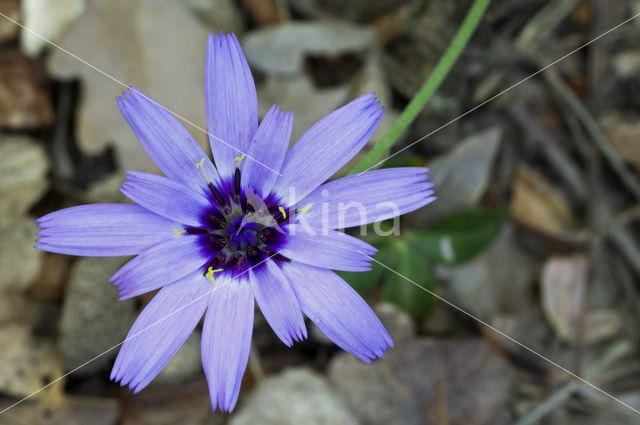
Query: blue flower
point(257, 227)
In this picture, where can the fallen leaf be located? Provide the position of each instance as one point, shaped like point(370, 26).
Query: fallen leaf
point(46, 21)
point(563, 295)
point(158, 47)
point(462, 174)
point(624, 134)
point(295, 94)
point(281, 49)
point(563, 291)
point(539, 206)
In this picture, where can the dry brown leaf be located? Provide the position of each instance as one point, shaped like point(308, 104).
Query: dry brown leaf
point(563, 291)
point(624, 135)
point(24, 102)
point(538, 205)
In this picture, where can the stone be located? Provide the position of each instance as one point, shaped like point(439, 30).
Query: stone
point(185, 364)
point(27, 362)
point(295, 396)
point(92, 319)
point(426, 382)
point(23, 175)
point(19, 261)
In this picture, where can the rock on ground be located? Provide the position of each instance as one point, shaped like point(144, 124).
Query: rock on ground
point(93, 319)
point(296, 396)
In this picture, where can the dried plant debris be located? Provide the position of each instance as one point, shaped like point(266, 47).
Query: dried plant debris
point(147, 52)
point(24, 100)
point(282, 49)
point(540, 206)
point(564, 284)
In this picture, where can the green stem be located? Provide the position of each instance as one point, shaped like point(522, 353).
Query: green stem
point(428, 88)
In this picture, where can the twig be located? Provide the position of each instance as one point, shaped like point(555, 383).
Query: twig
point(562, 163)
point(559, 397)
point(594, 130)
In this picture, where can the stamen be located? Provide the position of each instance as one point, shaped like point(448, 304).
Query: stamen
point(266, 234)
point(217, 222)
point(240, 158)
point(236, 186)
point(179, 232)
point(210, 273)
point(217, 240)
point(200, 165)
point(217, 196)
point(273, 254)
point(218, 260)
point(196, 230)
point(305, 209)
point(284, 213)
point(252, 252)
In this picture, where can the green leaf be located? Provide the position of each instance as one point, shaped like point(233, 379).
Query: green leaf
point(460, 237)
point(364, 282)
point(403, 292)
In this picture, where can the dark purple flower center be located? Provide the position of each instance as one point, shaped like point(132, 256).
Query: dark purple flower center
point(242, 229)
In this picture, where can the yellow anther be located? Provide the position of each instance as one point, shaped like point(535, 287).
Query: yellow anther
point(200, 165)
point(240, 158)
point(210, 273)
point(305, 209)
point(179, 232)
point(284, 213)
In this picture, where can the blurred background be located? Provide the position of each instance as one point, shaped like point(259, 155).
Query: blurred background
point(535, 230)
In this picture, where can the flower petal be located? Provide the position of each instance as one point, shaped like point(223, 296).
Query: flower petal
point(269, 146)
point(368, 197)
point(160, 265)
point(166, 197)
point(277, 302)
point(166, 141)
point(230, 101)
point(160, 330)
point(226, 338)
point(102, 230)
point(338, 311)
point(326, 147)
point(331, 249)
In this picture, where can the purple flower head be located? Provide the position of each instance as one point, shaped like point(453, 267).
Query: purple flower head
point(259, 226)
